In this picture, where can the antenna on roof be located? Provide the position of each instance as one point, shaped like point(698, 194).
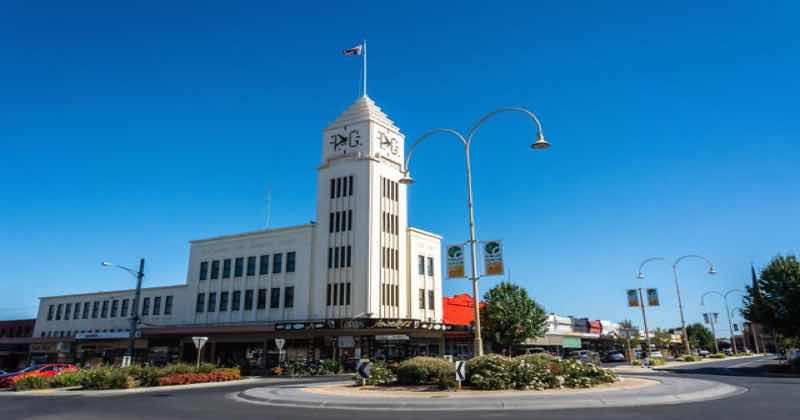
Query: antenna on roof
point(269, 205)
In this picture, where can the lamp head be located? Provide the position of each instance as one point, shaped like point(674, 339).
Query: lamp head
point(540, 143)
point(640, 276)
point(406, 179)
point(712, 270)
point(106, 264)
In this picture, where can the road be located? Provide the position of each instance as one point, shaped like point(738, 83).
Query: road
point(773, 398)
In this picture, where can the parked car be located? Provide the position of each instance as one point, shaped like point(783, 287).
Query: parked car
point(728, 352)
point(656, 354)
point(535, 350)
point(614, 356)
point(48, 369)
point(703, 353)
point(584, 356)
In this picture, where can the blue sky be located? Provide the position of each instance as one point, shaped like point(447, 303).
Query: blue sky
point(128, 130)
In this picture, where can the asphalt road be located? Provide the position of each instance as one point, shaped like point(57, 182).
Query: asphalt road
point(769, 398)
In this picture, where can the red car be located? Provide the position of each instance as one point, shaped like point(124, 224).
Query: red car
point(47, 369)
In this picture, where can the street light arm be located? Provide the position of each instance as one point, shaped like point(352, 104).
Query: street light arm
point(712, 292)
point(732, 291)
point(424, 136)
point(710, 264)
point(647, 261)
point(539, 133)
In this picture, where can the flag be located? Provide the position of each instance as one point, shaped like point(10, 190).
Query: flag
point(357, 50)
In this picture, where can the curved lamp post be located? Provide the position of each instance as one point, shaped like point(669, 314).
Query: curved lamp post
point(466, 140)
point(135, 310)
point(724, 296)
point(711, 270)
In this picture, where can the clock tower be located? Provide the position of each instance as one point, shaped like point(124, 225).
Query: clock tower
point(360, 264)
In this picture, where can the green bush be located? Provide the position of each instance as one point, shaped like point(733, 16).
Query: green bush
point(583, 375)
point(29, 382)
point(330, 367)
point(491, 371)
point(535, 371)
point(657, 361)
point(689, 358)
point(717, 356)
point(426, 371)
point(66, 379)
point(379, 375)
point(107, 378)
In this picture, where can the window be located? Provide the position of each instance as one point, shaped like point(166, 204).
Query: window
point(95, 309)
point(349, 219)
point(226, 268)
point(203, 270)
point(238, 267)
point(275, 298)
point(336, 257)
point(85, 310)
point(290, 261)
point(330, 262)
point(344, 187)
point(124, 311)
point(263, 263)
point(212, 302)
point(350, 181)
point(430, 266)
point(51, 309)
point(421, 265)
point(223, 302)
point(251, 266)
point(104, 312)
point(146, 306)
point(347, 295)
point(201, 303)
point(288, 297)
point(337, 221)
point(67, 310)
point(341, 257)
point(248, 299)
point(214, 269)
point(58, 311)
point(114, 308)
point(330, 222)
point(262, 299)
point(338, 187)
point(341, 294)
point(168, 305)
point(349, 249)
point(77, 310)
point(431, 300)
point(335, 294)
point(422, 298)
point(333, 187)
point(328, 296)
point(277, 263)
point(157, 305)
point(236, 301)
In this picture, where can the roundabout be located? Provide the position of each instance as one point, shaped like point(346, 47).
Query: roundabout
point(629, 391)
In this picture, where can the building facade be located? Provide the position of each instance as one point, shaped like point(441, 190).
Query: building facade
point(357, 281)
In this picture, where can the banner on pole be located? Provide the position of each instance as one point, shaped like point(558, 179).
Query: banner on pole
point(716, 318)
point(455, 261)
point(652, 297)
point(493, 258)
point(706, 319)
point(633, 298)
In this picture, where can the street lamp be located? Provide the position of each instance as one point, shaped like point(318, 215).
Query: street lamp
point(135, 310)
point(724, 297)
point(539, 144)
point(711, 271)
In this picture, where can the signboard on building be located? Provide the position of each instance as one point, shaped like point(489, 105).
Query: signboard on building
point(652, 297)
point(102, 335)
point(493, 258)
point(455, 261)
point(633, 298)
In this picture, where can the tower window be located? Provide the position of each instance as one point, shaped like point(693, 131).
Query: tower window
point(251, 266)
point(203, 270)
point(328, 296)
point(430, 266)
point(337, 221)
point(422, 298)
point(263, 263)
point(330, 222)
point(226, 268)
point(290, 261)
point(431, 300)
point(347, 295)
point(350, 181)
point(338, 187)
point(350, 219)
point(330, 257)
point(214, 269)
point(277, 263)
point(421, 264)
point(336, 257)
point(341, 257)
point(333, 187)
point(238, 267)
point(335, 294)
point(349, 260)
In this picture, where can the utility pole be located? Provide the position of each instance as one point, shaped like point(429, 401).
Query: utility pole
point(646, 330)
point(135, 314)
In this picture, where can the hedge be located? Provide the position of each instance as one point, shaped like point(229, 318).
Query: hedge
point(539, 371)
point(717, 356)
point(217, 375)
point(426, 371)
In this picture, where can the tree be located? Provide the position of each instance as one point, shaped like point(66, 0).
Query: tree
point(662, 339)
point(511, 316)
point(774, 298)
point(700, 336)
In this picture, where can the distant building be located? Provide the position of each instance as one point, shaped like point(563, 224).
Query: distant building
point(15, 339)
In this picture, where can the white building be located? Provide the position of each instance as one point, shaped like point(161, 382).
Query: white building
point(357, 280)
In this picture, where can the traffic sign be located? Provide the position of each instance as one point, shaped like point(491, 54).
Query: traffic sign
point(364, 369)
point(199, 342)
point(279, 343)
point(461, 371)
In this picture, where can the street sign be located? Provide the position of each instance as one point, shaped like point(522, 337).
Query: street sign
point(199, 342)
point(633, 298)
point(652, 297)
point(461, 371)
point(364, 369)
point(279, 343)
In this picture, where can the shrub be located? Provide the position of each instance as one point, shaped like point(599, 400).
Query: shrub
point(584, 375)
point(536, 371)
point(717, 356)
point(657, 361)
point(330, 367)
point(491, 371)
point(217, 375)
point(426, 371)
point(107, 378)
point(66, 379)
point(30, 381)
point(689, 358)
point(379, 375)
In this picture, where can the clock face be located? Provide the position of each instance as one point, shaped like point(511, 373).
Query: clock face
point(345, 140)
point(388, 142)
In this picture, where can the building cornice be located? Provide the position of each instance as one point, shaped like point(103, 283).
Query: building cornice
point(262, 232)
point(113, 292)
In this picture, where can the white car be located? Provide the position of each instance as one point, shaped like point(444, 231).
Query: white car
point(703, 353)
point(656, 355)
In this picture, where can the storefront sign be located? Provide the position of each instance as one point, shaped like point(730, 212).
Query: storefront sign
point(102, 335)
point(633, 298)
point(493, 258)
point(302, 326)
point(43, 348)
point(392, 337)
point(455, 261)
point(652, 297)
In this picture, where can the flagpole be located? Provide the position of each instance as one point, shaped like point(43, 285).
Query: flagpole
point(365, 68)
